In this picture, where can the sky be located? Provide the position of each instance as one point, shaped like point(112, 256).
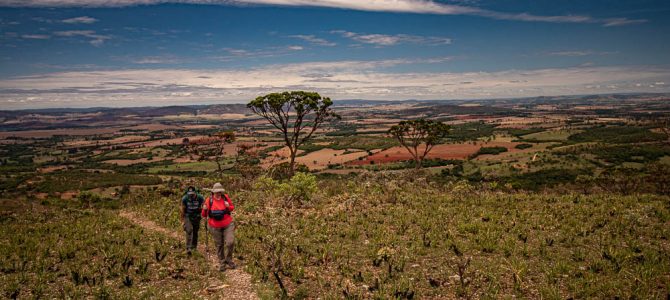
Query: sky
point(91, 53)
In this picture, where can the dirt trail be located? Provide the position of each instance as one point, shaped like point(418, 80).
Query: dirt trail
point(238, 282)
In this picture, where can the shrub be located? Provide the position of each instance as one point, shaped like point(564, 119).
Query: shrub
point(92, 200)
point(523, 146)
point(299, 188)
point(283, 170)
point(456, 170)
point(266, 184)
point(489, 150)
point(544, 178)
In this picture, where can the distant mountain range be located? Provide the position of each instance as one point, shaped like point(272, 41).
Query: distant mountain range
point(242, 108)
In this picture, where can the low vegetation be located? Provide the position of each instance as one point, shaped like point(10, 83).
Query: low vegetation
point(389, 236)
point(67, 252)
point(617, 135)
point(73, 180)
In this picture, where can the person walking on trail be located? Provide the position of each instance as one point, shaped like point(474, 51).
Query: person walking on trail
point(218, 208)
point(191, 205)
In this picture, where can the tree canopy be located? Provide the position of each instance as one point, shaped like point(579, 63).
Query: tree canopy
point(296, 114)
point(413, 133)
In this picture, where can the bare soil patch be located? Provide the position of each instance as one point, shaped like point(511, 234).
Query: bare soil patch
point(319, 160)
point(50, 169)
point(277, 157)
point(444, 151)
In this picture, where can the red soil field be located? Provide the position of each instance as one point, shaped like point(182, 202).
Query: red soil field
point(444, 151)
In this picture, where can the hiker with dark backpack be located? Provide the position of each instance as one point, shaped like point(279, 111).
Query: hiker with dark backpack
point(191, 205)
point(218, 208)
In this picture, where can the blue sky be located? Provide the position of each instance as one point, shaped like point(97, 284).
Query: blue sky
point(79, 53)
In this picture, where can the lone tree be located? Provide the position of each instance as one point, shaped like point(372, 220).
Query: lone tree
point(217, 147)
point(411, 134)
point(296, 114)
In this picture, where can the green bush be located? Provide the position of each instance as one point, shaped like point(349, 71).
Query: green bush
point(489, 150)
point(523, 146)
point(266, 184)
point(283, 170)
point(544, 178)
point(299, 188)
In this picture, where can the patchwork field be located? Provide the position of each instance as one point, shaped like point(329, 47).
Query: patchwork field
point(444, 151)
point(522, 199)
point(551, 135)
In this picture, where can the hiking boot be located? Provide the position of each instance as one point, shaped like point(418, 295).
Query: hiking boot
point(231, 265)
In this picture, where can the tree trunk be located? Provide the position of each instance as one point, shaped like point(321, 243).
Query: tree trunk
point(417, 158)
point(292, 163)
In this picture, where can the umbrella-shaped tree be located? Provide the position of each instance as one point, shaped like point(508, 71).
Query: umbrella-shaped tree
point(296, 114)
point(414, 133)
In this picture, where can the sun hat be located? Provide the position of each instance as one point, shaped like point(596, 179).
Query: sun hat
point(218, 188)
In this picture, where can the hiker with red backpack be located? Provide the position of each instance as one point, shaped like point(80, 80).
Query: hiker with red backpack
point(218, 208)
point(191, 205)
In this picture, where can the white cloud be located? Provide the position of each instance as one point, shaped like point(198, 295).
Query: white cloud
point(571, 53)
point(398, 6)
point(236, 54)
point(80, 20)
point(390, 40)
point(338, 79)
point(621, 21)
point(94, 38)
point(167, 59)
point(313, 39)
point(579, 53)
point(36, 36)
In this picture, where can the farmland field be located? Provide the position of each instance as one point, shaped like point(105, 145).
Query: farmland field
point(205, 166)
point(509, 203)
point(446, 151)
point(551, 135)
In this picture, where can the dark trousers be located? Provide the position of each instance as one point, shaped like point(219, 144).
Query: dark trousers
point(191, 227)
point(224, 238)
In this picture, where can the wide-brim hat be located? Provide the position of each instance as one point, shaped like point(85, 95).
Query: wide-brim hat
point(218, 188)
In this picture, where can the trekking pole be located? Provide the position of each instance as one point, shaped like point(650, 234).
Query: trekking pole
point(207, 234)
